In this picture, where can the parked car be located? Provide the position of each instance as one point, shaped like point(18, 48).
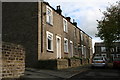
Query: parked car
point(116, 63)
point(99, 61)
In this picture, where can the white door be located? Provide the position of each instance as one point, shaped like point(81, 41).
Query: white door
point(58, 46)
point(71, 49)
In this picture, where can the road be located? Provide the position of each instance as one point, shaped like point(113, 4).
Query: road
point(98, 74)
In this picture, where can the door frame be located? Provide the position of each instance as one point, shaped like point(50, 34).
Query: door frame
point(58, 54)
point(71, 48)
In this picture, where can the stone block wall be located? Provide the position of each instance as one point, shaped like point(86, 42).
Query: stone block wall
point(13, 60)
point(75, 62)
point(62, 63)
point(47, 64)
point(85, 61)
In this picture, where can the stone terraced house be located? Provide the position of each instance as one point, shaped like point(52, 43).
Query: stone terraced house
point(44, 32)
point(101, 50)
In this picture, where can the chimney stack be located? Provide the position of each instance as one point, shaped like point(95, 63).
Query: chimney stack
point(68, 19)
point(74, 23)
point(59, 11)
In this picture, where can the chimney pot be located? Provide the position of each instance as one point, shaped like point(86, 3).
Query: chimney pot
point(74, 23)
point(59, 11)
point(68, 19)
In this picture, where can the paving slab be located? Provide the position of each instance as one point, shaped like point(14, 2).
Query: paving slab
point(64, 73)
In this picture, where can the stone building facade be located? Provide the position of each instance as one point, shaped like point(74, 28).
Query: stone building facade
point(100, 49)
point(44, 32)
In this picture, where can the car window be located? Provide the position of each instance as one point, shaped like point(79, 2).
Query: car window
point(98, 58)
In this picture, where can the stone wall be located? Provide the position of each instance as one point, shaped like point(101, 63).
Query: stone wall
point(75, 62)
point(85, 61)
point(62, 63)
point(13, 60)
point(20, 26)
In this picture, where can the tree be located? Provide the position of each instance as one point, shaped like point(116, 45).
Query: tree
point(109, 26)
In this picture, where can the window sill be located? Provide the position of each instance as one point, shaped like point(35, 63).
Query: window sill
point(49, 51)
point(49, 24)
point(65, 32)
point(65, 52)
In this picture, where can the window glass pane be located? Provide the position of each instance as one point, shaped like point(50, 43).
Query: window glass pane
point(50, 37)
point(65, 25)
point(103, 49)
point(99, 58)
point(81, 35)
point(49, 41)
point(49, 44)
point(65, 46)
point(48, 12)
point(118, 49)
point(49, 15)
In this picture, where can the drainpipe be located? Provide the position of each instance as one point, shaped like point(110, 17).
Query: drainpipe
point(41, 29)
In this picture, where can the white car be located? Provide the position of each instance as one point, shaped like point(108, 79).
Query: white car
point(99, 61)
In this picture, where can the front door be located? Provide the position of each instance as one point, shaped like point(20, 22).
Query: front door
point(71, 49)
point(58, 46)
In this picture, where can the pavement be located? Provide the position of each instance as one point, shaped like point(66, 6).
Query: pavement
point(31, 73)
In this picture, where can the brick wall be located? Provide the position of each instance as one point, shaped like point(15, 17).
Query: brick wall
point(13, 60)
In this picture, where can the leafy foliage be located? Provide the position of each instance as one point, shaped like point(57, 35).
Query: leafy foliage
point(109, 26)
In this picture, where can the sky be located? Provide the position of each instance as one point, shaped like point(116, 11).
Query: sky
point(85, 13)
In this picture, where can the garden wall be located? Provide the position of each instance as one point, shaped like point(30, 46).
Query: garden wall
point(13, 60)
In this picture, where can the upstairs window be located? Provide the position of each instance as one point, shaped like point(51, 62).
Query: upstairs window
point(49, 15)
point(49, 41)
point(112, 49)
point(65, 25)
point(65, 45)
point(81, 35)
point(103, 49)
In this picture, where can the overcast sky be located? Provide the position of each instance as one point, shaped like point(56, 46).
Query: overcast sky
point(85, 13)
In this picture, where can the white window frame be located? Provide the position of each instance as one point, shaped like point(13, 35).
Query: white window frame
point(97, 54)
point(81, 35)
point(112, 50)
point(113, 56)
point(65, 26)
point(116, 49)
point(58, 54)
point(71, 43)
point(103, 50)
point(104, 54)
point(66, 45)
point(118, 55)
point(49, 34)
point(82, 49)
point(49, 17)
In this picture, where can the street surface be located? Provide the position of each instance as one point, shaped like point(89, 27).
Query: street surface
point(98, 74)
point(79, 73)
